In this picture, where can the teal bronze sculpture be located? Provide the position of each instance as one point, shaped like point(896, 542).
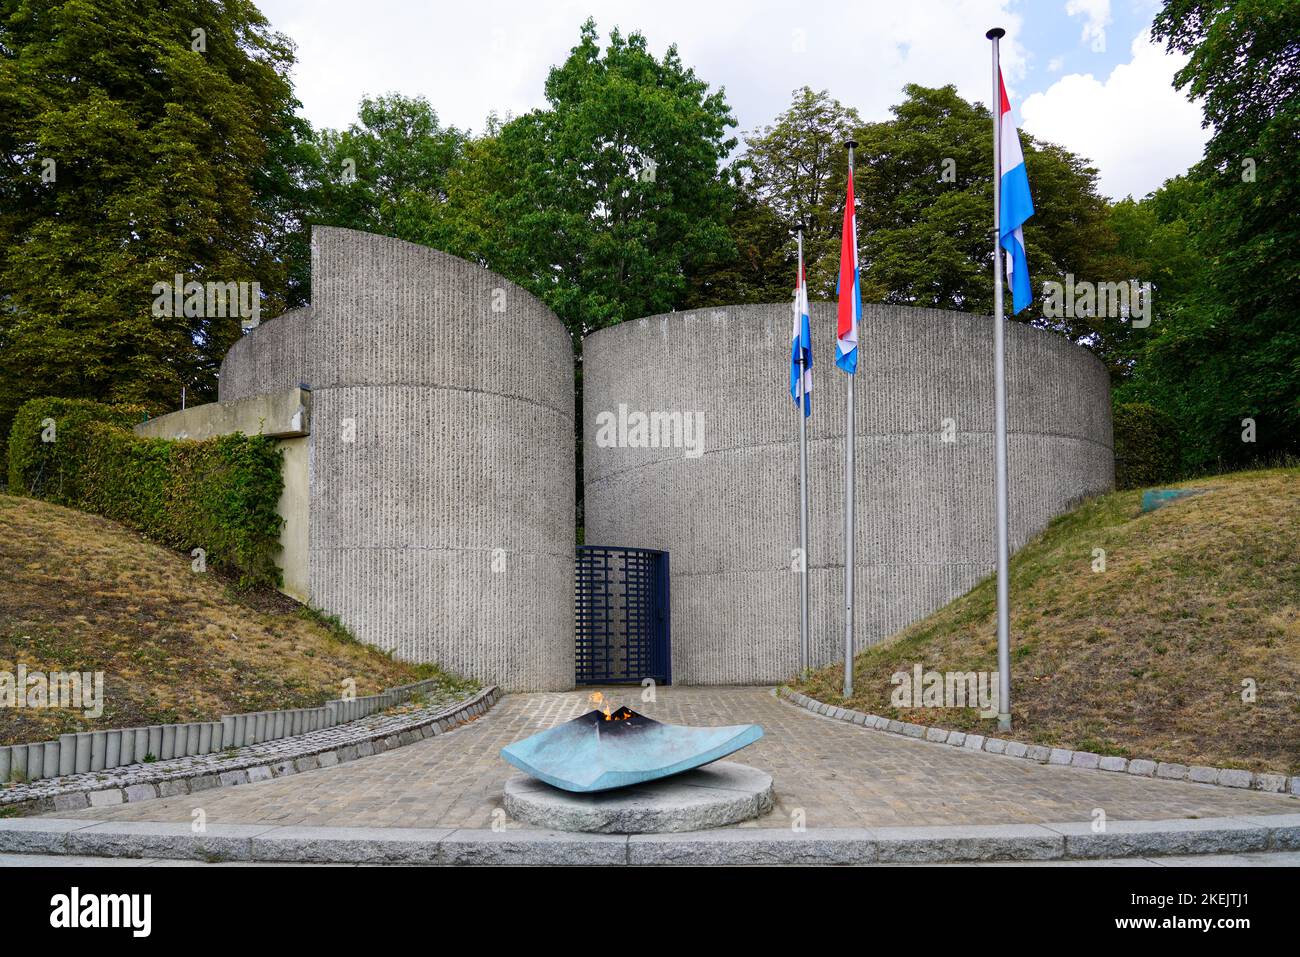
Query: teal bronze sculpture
point(602, 750)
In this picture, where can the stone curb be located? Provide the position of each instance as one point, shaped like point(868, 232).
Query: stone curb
point(744, 845)
point(1063, 757)
point(108, 749)
point(259, 762)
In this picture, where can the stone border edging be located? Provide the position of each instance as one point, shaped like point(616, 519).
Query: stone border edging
point(1041, 754)
point(107, 749)
point(258, 762)
point(742, 845)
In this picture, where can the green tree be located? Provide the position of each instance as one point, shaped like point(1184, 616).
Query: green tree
point(1230, 349)
point(1156, 239)
point(387, 173)
point(797, 168)
point(605, 202)
point(925, 212)
point(136, 138)
point(925, 194)
point(758, 266)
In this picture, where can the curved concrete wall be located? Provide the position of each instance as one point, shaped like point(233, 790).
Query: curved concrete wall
point(441, 460)
point(924, 507)
point(270, 358)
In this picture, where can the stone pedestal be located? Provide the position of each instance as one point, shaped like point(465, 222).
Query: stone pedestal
point(720, 794)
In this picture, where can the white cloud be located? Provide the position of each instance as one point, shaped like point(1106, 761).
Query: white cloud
point(470, 58)
point(1054, 64)
point(1134, 126)
point(1096, 14)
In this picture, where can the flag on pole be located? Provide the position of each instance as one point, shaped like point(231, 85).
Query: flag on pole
point(1016, 206)
point(801, 345)
point(850, 304)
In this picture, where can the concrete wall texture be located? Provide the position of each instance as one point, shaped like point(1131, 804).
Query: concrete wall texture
point(440, 463)
point(925, 506)
point(272, 358)
point(440, 460)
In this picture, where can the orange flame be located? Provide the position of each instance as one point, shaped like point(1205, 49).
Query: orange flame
point(602, 704)
point(599, 702)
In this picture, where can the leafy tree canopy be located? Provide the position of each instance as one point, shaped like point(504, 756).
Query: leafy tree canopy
point(924, 186)
point(1229, 348)
point(604, 203)
point(138, 140)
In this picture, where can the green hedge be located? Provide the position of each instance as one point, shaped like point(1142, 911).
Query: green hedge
point(1147, 446)
point(219, 494)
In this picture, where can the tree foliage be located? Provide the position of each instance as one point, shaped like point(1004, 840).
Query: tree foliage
point(797, 170)
point(1228, 349)
point(924, 186)
point(388, 172)
point(133, 149)
point(623, 196)
point(1146, 445)
point(603, 203)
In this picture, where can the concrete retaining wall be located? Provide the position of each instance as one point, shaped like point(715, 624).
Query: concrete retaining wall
point(729, 517)
point(86, 751)
point(285, 414)
point(441, 457)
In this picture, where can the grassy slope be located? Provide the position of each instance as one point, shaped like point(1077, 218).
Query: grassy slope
point(81, 593)
point(1145, 659)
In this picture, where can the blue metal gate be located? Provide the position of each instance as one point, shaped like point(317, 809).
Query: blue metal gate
point(621, 615)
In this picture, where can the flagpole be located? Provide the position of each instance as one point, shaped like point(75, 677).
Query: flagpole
point(803, 484)
point(1000, 405)
point(848, 505)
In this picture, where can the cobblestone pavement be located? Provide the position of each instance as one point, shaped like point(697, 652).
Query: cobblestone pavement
point(835, 774)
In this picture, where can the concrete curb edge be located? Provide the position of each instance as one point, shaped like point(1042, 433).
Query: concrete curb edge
point(745, 845)
point(1219, 777)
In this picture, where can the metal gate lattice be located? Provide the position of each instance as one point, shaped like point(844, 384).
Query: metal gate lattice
point(622, 622)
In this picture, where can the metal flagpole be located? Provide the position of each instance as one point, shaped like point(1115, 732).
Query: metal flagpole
point(803, 480)
point(1000, 406)
point(848, 501)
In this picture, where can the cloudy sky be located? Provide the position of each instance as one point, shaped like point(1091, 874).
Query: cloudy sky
point(1082, 73)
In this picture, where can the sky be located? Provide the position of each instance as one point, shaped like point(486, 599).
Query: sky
point(1081, 73)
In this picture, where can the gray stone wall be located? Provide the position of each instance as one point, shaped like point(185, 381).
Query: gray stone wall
point(441, 464)
point(271, 358)
point(730, 520)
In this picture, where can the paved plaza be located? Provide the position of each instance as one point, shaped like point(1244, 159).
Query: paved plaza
point(827, 773)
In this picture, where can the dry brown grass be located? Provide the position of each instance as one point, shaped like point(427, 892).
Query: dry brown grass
point(1146, 659)
point(81, 593)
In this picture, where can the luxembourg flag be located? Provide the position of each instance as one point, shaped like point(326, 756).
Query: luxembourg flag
point(850, 304)
point(1016, 206)
point(801, 345)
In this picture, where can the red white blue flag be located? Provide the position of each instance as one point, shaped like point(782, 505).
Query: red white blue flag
point(1015, 206)
point(850, 304)
point(801, 346)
